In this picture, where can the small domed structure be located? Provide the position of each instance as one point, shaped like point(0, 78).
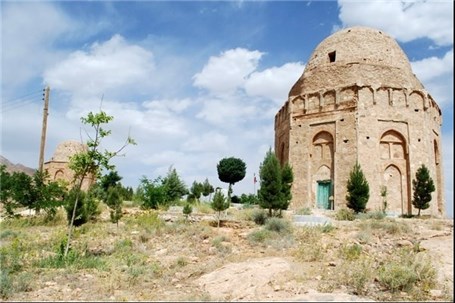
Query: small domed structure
point(58, 166)
point(359, 101)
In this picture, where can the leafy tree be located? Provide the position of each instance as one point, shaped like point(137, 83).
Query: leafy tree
point(6, 192)
point(196, 190)
point(151, 193)
point(219, 203)
point(77, 216)
point(235, 199)
point(35, 193)
point(110, 180)
point(207, 188)
point(231, 170)
point(91, 161)
point(187, 210)
point(114, 201)
point(287, 177)
point(174, 187)
point(358, 190)
point(423, 186)
point(250, 199)
point(270, 192)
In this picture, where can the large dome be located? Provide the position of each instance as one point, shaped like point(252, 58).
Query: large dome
point(66, 149)
point(357, 55)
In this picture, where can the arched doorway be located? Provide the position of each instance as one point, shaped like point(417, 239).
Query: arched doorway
point(322, 163)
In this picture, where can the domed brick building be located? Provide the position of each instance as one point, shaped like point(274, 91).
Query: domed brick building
point(358, 100)
point(58, 166)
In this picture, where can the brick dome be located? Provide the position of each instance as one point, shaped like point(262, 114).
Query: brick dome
point(357, 55)
point(66, 149)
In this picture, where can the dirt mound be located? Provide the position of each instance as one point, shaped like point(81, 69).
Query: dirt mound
point(262, 279)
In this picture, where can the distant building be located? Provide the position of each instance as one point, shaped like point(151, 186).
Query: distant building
point(58, 166)
point(358, 100)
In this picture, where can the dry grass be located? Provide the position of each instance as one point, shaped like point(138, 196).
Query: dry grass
point(147, 259)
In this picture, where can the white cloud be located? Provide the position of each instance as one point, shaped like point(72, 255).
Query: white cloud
point(225, 73)
point(406, 21)
point(207, 142)
point(436, 75)
point(28, 32)
point(274, 83)
point(110, 67)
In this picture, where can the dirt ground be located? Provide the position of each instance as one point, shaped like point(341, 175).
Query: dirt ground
point(196, 261)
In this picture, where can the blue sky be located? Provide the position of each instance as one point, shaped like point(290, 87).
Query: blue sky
point(192, 81)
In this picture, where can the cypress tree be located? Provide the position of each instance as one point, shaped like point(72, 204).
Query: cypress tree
point(358, 190)
point(423, 186)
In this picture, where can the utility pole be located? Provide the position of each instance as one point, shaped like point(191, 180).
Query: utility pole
point(43, 131)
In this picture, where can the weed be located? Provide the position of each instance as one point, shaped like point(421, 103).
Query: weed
point(406, 270)
point(258, 236)
point(11, 258)
point(364, 236)
point(8, 234)
point(345, 214)
point(357, 274)
point(326, 227)
point(304, 211)
point(310, 252)
point(377, 215)
point(204, 208)
point(350, 251)
point(278, 225)
point(259, 216)
point(182, 261)
point(389, 226)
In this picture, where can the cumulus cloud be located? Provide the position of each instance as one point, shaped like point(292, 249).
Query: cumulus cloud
point(28, 31)
point(406, 21)
point(112, 66)
point(274, 83)
point(225, 73)
point(437, 76)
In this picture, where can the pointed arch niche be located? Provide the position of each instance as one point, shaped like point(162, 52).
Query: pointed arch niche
point(395, 162)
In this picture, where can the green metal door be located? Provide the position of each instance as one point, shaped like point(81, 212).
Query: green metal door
point(324, 194)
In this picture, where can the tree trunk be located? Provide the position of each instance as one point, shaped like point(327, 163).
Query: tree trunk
point(70, 230)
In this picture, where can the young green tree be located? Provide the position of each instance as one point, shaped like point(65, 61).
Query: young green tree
point(423, 186)
point(287, 177)
point(196, 190)
point(151, 193)
point(91, 161)
point(187, 210)
point(114, 201)
point(174, 187)
point(271, 190)
point(219, 204)
point(207, 188)
point(358, 190)
point(231, 170)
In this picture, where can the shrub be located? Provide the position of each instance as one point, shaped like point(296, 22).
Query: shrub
point(277, 225)
point(259, 217)
point(304, 211)
point(344, 214)
point(350, 251)
point(406, 270)
point(259, 236)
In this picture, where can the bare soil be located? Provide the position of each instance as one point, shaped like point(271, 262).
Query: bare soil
point(193, 260)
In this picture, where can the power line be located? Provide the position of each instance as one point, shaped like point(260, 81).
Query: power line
point(12, 106)
point(22, 97)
